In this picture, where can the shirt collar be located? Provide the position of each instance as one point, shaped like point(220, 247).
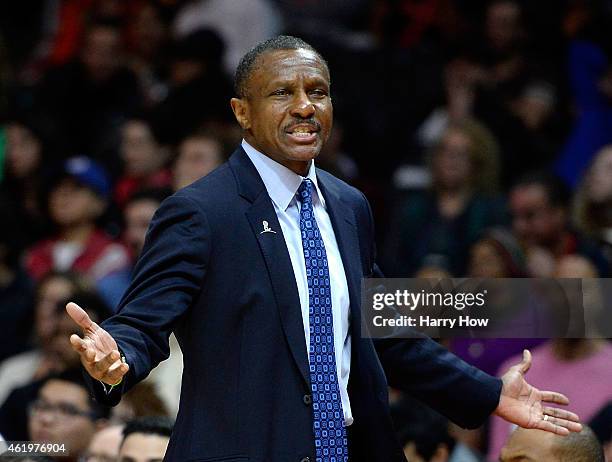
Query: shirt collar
point(281, 183)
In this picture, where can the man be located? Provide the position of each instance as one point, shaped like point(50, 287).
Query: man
point(538, 446)
point(539, 204)
point(145, 439)
point(104, 445)
point(137, 214)
point(198, 155)
point(245, 266)
point(65, 414)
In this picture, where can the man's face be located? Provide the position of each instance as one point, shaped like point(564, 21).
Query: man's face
point(59, 415)
point(197, 157)
point(138, 215)
point(72, 204)
point(534, 220)
point(287, 112)
point(104, 446)
point(140, 447)
point(139, 150)
point(529, 446)
point(101, 52)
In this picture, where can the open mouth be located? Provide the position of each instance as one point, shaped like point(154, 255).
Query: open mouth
point(303, 134)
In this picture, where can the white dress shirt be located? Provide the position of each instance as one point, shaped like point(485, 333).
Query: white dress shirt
point(282, 185)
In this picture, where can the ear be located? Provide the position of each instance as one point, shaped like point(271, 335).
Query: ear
point(240, 106)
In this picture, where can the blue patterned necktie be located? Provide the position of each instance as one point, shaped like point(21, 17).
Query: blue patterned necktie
point(330, 435)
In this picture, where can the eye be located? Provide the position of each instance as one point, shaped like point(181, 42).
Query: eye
point(319, 93)
point(280, 92)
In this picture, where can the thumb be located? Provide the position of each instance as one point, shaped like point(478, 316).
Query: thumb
point(79, 315)
point(525, 364)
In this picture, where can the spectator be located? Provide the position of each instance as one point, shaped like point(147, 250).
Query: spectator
point(195, 75)
point(144, 160)
point(425, 436)
point(148, 36)
point(497, 254)
point(104, 445)
point(138, 212)
point(145, 439)
point(64, 413)
point(533, 444)
point(539, 204)
point(450, 216)
point(15, 289)
point(59, 358)
point(37, 362)
point(77, 199)
point(590, 80)
point(27, 155)
point(593, 202)
point(198, 155)
point(88, 97)
point(142, 401)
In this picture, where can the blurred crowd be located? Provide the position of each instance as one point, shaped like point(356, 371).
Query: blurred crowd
point(480, 130)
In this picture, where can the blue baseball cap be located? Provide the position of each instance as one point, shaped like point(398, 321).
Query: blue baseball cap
point(89, 174)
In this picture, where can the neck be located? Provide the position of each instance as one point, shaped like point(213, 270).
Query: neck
point(78, 233)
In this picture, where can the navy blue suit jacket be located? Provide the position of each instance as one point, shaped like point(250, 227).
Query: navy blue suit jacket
point(229, 294)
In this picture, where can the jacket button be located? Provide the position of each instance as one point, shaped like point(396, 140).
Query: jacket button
point(305, 459)
point(307, 400)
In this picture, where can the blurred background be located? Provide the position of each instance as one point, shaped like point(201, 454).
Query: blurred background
point(480, 131)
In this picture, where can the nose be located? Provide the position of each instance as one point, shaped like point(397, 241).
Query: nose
point(303, 107)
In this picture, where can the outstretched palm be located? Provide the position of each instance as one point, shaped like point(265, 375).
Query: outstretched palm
point(524, 405)
point(98, 350)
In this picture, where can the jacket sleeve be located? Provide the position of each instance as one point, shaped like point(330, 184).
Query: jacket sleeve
point(426, 370)
point(167, 278)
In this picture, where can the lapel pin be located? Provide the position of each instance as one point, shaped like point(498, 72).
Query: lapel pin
point(266, 228)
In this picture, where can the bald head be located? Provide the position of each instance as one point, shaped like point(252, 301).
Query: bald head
point(540, 446)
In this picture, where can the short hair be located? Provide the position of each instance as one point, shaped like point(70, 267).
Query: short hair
point(580, 446)
point(75, 377)
point(248, 63)
point(149, 425)
point(557, 191)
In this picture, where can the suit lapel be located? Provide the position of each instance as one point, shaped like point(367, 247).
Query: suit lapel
point(276, 257)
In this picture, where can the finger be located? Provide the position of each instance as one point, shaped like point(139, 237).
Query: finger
point(79, 315)
point(570, 426)
point(560, 414)
point(554, 397)
point(549, 426)
point(81, 346)
point(526, 362)
point(103, 365)
point(116, 373)
point(78, 344)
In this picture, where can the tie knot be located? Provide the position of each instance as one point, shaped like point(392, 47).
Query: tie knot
point(305, 192)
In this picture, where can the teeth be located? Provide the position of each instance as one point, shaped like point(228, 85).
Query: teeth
point(301, 134)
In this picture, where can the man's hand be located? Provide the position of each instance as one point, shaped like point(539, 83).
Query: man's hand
point(98, 350)
point(523, 405)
